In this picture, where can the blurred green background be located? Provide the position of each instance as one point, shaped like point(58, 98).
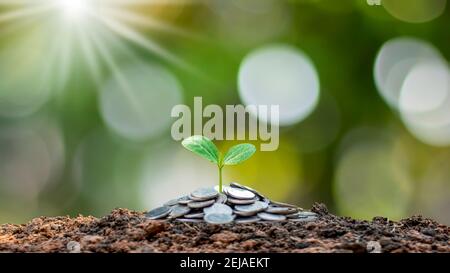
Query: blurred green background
point(72, 143)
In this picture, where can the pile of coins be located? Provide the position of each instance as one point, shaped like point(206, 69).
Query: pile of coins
point(237, 203)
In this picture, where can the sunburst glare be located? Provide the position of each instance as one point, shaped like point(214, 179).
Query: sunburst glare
point(75, 9)
point(100, 30)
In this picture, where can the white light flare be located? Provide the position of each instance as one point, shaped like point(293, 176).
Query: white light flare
point(76, 28)
point(75, 9)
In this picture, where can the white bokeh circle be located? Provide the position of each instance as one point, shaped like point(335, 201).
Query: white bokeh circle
point(415, 11)
point(24, 85)
point(136, 103)
point(394, 61)
point(371, 177)
point(280, 75)
point(425, 103)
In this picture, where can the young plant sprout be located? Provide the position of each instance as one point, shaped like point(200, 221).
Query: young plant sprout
point(205, 148)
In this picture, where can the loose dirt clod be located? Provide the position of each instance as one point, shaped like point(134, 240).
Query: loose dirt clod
point(127, 231)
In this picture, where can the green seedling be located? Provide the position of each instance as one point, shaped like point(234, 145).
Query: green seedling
point(205, 148)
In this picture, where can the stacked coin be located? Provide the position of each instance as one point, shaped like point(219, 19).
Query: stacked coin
point(237, 203)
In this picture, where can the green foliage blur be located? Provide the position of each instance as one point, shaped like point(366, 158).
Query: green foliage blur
point(353, 152)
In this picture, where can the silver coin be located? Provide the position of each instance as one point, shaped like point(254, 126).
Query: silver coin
point(218, 218)
point(245, 214)
point(304, 219)
point(200, 204)
point(280, 210)
point(187, 220)
point(302, 214)
point(255, 207)
point(237, 185)
point(271, 217)
point(224, 189)
point(281, 204)
point(184, 200)
point(198, 215)
point(295, 215)
point(221, 198)
point(239, 193)
point(217, 188)
point(247, 220)
point(196, 199)
point(178, 211)
point(172, 202)
point(241, 201)
point(204, 193)
point(158, 213)
point(308, 213)
point(218, 208)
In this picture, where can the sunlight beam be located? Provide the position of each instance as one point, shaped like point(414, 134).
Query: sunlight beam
point(144, 21)
point(111, 63)
point(100, 30)
point(89, 55)
point(135, 37)
point(154, 2)
point(23, 13)
point(74, 8)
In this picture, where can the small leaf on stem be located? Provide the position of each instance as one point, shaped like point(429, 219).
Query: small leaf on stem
point(239, 153)
point(203, 147)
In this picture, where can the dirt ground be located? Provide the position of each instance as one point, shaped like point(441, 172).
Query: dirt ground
point(128, 231)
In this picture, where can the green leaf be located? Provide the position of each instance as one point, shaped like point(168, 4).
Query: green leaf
point(239, 153)
point(202, 146)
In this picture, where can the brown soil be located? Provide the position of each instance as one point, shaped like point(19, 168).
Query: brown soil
point(129, 231)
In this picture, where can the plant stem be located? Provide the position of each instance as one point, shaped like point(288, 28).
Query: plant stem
point(220, 179)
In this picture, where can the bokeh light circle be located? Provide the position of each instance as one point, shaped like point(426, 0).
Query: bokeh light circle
point(425, 88)
point(31, 155)
point(371, 180)
point(279, 174)
point(103, 171)
point(280, 75)
point(425, 103)
point(434, 190)
point(32, 161)
point(394, 61)
point(415, 11)
point(174, 173)
point(136, 102)
point(24, 85)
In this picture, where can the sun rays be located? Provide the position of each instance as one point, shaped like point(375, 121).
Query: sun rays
point(96, 31)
